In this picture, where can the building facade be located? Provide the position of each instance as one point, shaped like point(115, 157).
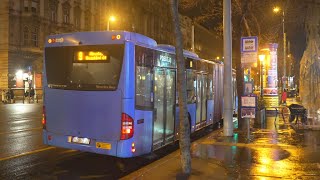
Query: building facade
point(26, 23)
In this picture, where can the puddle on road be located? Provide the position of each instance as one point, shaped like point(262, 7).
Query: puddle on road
point(245, 162)
point(301, 158)
point(234, 154)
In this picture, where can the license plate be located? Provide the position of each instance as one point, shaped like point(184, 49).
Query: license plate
point(102, 145)
point(78, 140)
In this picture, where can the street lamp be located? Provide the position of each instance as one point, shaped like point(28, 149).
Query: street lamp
point(112, 19)
point(261, 58)
point(276, 10)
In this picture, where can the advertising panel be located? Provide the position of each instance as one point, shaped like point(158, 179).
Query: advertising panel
point(270, 81)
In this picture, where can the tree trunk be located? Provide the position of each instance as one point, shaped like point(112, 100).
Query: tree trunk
point(239, 69)
point(309, 65)
point(184, 129)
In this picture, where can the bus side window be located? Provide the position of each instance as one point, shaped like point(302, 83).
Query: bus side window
point(144, 78)
point(190, 87)
point(210, 87)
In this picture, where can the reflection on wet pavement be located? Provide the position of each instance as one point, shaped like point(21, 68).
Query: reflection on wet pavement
point(273, 151)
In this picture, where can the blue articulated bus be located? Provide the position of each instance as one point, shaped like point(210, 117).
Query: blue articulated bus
point(114, 93)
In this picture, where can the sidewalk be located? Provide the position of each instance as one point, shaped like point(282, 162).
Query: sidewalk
point(169, 167)
point(274, 150)
point(210, 153)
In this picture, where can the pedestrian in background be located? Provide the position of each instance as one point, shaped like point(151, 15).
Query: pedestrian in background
point(7, 96)
point(11, 95)
point(284, 96)
point(3, 96)
point(32, 94)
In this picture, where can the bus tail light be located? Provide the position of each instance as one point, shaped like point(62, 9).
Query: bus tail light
point(44, 119)
point(133, 148)
point(126, 126)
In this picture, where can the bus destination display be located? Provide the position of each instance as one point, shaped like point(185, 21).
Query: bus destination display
point(91, 56)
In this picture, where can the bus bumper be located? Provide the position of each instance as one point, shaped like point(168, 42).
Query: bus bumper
point(95, 145)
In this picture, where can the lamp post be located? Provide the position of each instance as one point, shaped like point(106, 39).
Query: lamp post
point(276, 10)
point(261, 58)
point(112, 19)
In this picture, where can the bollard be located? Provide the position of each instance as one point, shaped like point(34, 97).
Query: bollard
point(248, 128)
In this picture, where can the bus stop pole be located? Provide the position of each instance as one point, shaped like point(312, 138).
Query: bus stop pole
point(227, 85)
point(248, 127)
point(29, 94)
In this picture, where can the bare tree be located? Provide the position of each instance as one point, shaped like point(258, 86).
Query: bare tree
point(184, 131)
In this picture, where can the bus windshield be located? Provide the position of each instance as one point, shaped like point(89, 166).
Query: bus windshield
point(94, 67)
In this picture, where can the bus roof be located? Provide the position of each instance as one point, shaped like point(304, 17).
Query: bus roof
point(98, 37)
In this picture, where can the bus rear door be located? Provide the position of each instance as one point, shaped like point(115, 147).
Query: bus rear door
point(164, 104)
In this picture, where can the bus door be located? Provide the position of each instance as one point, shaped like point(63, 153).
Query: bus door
point(201, 97)
point(164, 104)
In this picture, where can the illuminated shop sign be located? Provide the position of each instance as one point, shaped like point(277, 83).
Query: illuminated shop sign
point(91, 56)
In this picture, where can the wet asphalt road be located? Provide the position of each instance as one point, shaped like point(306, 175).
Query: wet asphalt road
point(275, 151)
point(23, 156)
point(296, 154)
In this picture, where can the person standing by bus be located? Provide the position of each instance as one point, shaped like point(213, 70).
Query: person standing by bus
point(284, 96)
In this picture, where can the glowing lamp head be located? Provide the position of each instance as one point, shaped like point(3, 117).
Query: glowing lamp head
point(112, 18)
point(276, 9)
point(262, 57)
point(19, 73)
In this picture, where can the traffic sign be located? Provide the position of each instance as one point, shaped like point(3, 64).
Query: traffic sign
point(249, 50)
point(249, 44)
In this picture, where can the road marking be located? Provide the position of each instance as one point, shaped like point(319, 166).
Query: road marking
point(21, 130)
point(26, 153)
